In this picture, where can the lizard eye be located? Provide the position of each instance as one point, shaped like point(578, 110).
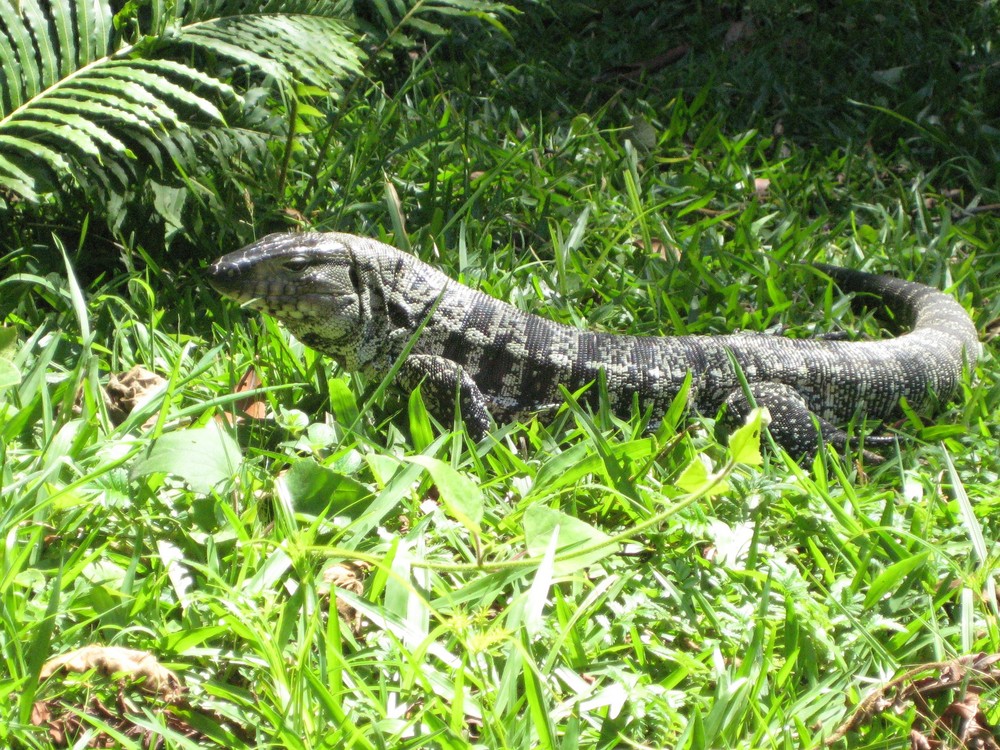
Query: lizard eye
point(297, 263)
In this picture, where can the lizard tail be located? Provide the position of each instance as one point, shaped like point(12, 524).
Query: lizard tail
point(923, 309)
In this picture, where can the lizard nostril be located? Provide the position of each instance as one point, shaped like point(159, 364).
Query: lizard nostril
point(219, 270)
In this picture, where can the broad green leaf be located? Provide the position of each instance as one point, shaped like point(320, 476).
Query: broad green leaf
point(22, 80)
point(566, 468)
point(399, 484)
point(163, 87)
point(17, 179)
point(67, 36)
point(8, 339)
point(174, 70)
point(695, 479)
point(76, 297)
point(45, 44)
point(428, 27)
point(342, 400)
point(573, 536)
point(316, 489)
point(9, 374)
point(892, 577)
point(203, 457)
point(269, 574)
point(420, 422)
point(744, 443)
point(459, 494)
point(99, 105)
point(402, 598)
point(537, 596)
point(77, 128)
point(539, 705)
point(52, 158)
point(572, 464)
point(678, 407)
point(968, 514)
point(40, 647)
point(172, 558)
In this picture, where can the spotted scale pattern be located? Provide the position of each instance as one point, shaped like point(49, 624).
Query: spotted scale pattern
point(363, 303)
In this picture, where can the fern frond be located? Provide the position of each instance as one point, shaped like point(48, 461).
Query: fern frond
point(399, 16)
point(195, 10)
point(79, 103)
point(308, 47)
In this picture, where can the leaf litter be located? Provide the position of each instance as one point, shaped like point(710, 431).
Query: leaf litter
point(102, 717)
point(960, 724)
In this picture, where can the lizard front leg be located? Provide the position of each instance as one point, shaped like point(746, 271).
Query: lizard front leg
point(439, 380)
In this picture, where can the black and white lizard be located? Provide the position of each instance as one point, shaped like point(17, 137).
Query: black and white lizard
point(362, 302)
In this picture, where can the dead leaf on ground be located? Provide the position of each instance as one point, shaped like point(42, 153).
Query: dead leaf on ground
point(970, 725)
point(71, 724)
point(252, 407)
point(739, 31)
point(667, 252)
point(992, 330)
point(350, 576)
point(962, 720)
point(69, 718)
point(761, 186)
point(636, 69)
point(140, 666)
point(948, 194)
point(127, 391)
point(295, 215)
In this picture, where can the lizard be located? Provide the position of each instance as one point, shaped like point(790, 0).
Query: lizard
point(367, 304)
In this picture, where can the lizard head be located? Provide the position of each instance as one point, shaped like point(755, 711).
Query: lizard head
point(310, 282)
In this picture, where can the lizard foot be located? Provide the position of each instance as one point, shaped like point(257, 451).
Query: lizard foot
point(793, 425)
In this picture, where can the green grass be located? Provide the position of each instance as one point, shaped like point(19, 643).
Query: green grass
point(756, 613)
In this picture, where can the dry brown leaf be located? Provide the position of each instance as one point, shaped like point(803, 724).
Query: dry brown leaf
point(349, 576)
point(59, 726)
point(346, 575)
point(127, 391)
point(649, 65)
point(295, 215)
point(968, 675)
point(255, 407)
point(72, 724)
point(116, 661)
point(761, 185)
point(973, 729)
point(667, 252)
point(739, 31)
point(252, 407)
point(70, 718)
point(41, 716)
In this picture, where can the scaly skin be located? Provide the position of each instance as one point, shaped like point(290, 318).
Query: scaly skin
point(361, 302)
